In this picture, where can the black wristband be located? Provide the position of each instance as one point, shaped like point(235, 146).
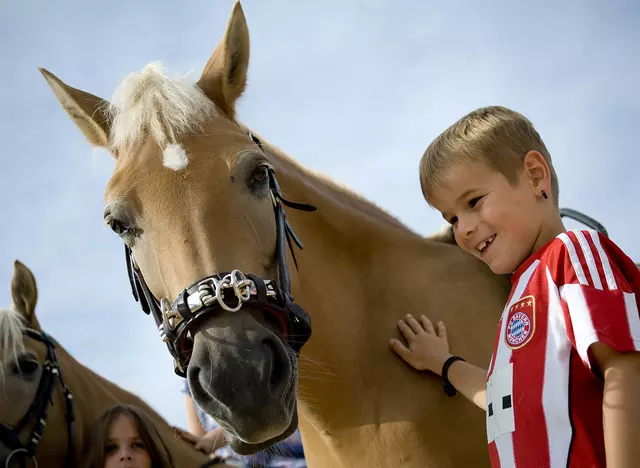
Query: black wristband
point(449, 389)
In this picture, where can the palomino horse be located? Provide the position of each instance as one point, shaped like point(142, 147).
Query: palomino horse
point(194, 193)
point(42, 382)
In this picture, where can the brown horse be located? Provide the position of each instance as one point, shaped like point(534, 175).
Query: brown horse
point(194, 194)
point(28, 357)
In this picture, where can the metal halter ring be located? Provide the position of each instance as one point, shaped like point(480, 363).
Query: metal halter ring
point(241, 286)
point(7, 463)
point(15, 452)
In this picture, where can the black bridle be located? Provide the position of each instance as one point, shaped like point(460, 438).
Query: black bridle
point(37, 412)
point(212, 294)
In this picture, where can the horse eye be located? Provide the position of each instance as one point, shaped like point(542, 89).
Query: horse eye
point(117, 226)
point(260, 176)
point(25, 366)
point(121, 226)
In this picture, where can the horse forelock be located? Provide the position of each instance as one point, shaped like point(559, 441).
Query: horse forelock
point(148, 103)
point(12, 328)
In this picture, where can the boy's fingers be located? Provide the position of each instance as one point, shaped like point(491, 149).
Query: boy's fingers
point(442, 331)
point(406, 330)
point(414, 324)
point(426, 324)
point(400, 348)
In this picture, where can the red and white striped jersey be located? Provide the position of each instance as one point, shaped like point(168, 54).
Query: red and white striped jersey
point(544, 401)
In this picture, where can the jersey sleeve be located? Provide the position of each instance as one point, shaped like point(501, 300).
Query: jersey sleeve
point(598, 286)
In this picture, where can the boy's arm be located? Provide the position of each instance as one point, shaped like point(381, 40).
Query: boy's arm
point(470, 381)
point(428, 349)
point(620, 404)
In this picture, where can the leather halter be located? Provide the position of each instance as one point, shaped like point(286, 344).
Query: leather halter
point(229, 291)
point(37, 412)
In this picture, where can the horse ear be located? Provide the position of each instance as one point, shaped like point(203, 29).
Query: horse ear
point(225, 76)
point(88, 112)
point(24, 291)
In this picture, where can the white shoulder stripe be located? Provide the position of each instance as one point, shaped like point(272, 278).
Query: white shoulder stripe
point(573, 255)
point(591, 261)
point(631, 307)
point(555, 391)
point(583, 330)
point(606, 266)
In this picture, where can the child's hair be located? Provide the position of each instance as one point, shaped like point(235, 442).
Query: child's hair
point(494, 135)
point(95, 452)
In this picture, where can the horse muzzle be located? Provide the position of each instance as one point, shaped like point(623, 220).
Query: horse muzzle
point(243, 375)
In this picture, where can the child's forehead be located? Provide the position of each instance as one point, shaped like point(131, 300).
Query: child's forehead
point(458, 179)
point(461, 175)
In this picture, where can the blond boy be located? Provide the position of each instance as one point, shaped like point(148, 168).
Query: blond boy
point(563, 384)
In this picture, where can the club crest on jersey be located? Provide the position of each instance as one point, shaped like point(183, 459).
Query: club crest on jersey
point(521, 322)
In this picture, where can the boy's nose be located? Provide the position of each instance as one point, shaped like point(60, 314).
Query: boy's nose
point(466, 227)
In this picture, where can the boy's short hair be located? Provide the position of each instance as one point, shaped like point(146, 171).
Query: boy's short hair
point(493, 135)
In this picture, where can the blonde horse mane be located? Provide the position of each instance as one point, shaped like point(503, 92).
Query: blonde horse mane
point(147, 102)
point(12, 328)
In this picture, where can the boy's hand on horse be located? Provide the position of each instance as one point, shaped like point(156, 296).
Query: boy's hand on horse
point(427, 345)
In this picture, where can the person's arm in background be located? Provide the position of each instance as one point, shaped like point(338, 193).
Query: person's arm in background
point(193, 421)
point(203, 440)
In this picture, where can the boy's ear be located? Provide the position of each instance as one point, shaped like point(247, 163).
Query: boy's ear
point(537, 172)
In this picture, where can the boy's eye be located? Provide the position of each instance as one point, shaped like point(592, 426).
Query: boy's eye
point(474, 201)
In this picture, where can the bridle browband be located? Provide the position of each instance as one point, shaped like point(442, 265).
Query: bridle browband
point(37, 412)
point(229, 291)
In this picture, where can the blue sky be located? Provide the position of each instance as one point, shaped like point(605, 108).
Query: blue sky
point(355, 89)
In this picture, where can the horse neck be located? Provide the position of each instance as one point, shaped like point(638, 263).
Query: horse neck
point(94, 394)
point(350, 248)
point(361, 271)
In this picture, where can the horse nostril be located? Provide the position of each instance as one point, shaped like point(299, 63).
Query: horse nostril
point(277, 363)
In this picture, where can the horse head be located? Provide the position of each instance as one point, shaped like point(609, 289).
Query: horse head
point(33, 392)
point(194, 198)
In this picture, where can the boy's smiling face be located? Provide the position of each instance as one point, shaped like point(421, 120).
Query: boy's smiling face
point(496, 221)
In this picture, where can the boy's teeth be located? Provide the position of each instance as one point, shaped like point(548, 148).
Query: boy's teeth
point(484, 244)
